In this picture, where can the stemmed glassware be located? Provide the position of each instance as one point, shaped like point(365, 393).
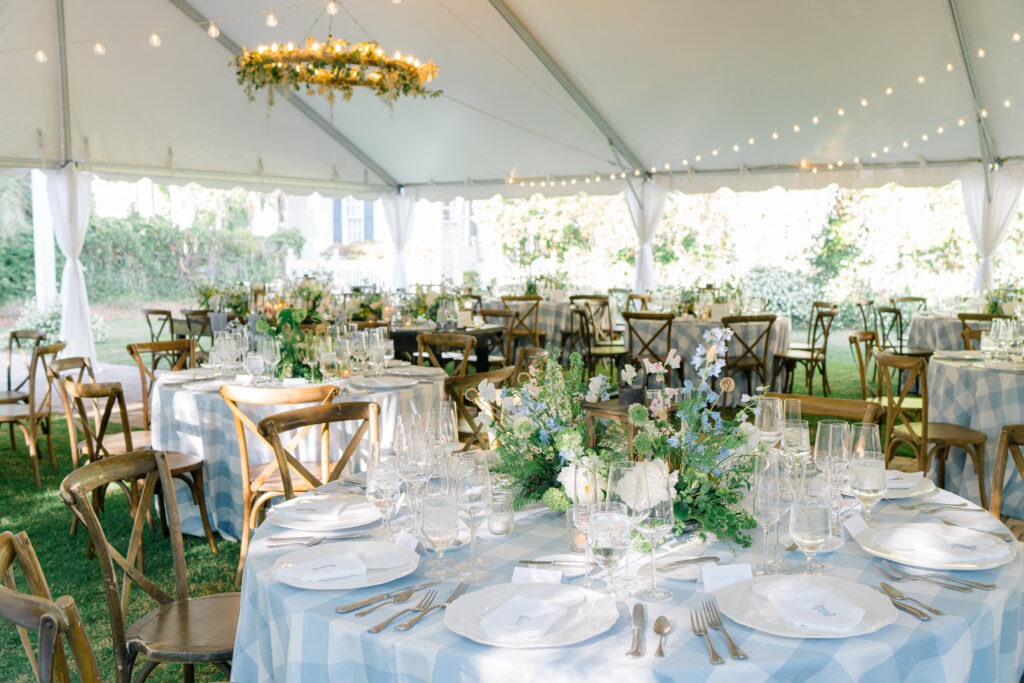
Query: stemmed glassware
point(473, 493)
point(415, 462)
point(253, 366)
point(769, 420)
point(580, 514)
point(440, 526)
point(270, 349)
point(867, 479)
point(809, 523)
point(864, 437)
point(623, 485)
point(791, 409)
point(831, 457)
point(383, 483)
point(769, 502)
point(657, 497)
point(329, 369)
point(359, 349)
point(609, 540)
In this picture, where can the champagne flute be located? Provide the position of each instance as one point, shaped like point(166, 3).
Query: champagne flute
point(809, 520)
point(580, 514)
point(768, 500)
point(867, 479)
point(609, 540)
point(473, 494)
point(623, 486)
point(383, 483)
point(440, 526)
point(769, 420)
point(658, 497)
point(830, 457)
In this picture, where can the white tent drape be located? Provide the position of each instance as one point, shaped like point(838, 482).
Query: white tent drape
point(69, 205)
point(42, 229)
point(400, 213)
point(989, 219)
point(646, 213)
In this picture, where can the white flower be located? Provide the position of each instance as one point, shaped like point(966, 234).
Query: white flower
point(646, 484)
point(580, 484)
point(488, 392)
point(673, 359)
point(596, 388)
point(654, 368)
point(508, 403)
point(628, 374)
point(753, 439)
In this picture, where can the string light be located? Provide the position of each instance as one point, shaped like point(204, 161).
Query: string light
point(981, 53)
point(698, 157)
point(924, 137)
point(949, 66)
point(856, 160)
point(839, 163)
point(667, 166)
point(621, 175)
point(885, 150)
point(1006, 103)
point(40, 57)
point(98, 49)
point(863, 101)
point(940, 130)
point(572, 182)
point(796, 127)
point(888, 91)
point(775, 135)
point(984, 113)
point(814, 170)
point(654, 169)
point(714, 152)
point(1015, 37)
point(815, 119)
point(686, 162)
point(735, 148)
point(841, 111)
point(750, 141)
point(961, 122)
point(154, 39)
point(332, 8)
point(830, 167)
point(213, 31)
point(874, 155)
point(920, 79)
point(271, 20)
point(906, 143)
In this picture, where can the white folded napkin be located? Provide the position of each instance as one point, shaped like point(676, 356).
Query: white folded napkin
point(953, 545)
point(243, 379)
point(894, 479)
point(523, 618)
point(316, 509)
point(209, 385)
point(294, 382)
point(812, 607)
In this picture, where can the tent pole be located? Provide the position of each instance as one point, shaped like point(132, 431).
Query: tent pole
point(986, 142)
point(322, 123)
point(617, 143)
point(62, 85)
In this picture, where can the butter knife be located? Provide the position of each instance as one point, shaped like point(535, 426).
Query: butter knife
point(920, 614)
point(688, 561)
point(639, 622)
point(383, 596)
point(576, 564)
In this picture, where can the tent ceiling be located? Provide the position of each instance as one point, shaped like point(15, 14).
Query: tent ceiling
point(673, 79)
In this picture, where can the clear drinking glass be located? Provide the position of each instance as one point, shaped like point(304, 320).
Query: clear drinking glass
point(502, 519)
point(791, 409)
point(623, 487)
point(867, 479)
point(864, 436)
point(830, 458)
point(767, 499)
point(796, 442)
point(329, 369)
point(769, 420)
point(609, 540)
point(658, 497)
point(440, 526)
point(580, 514)
point(415, 462)
point(473, 494)
point(383, 483)
point(253, 366)
point(810, 522)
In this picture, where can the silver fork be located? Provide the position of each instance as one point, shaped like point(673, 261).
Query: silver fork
point(697, 624)
point(894, 577)
point(423, 604)
point(401, 597)
point(714, 619)
point(945, 577)
point(456, 594)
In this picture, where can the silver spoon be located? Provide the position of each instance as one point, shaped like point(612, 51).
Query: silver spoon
point(898, 594)
point(662, 626)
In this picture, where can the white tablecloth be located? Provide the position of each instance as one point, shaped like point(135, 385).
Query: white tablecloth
point(935, 331)
point(971, 395)
point(288, 634)
point(200, 423)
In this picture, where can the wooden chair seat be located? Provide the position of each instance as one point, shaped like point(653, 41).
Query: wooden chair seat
point(911, 404)
point(608, 350)
point(796, 354)
point(12, 412)
point(943, 433)
point(13, 396)
point(189, 630)
point(114, 443)
point(274, 481)
point(916, 351)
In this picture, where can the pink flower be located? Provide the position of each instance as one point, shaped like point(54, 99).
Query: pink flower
point(653, 368)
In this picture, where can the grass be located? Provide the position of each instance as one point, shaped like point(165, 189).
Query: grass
point(40, 513)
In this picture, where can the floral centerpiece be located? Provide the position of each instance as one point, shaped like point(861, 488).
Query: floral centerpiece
point(310, 293)
point(286, 329)
point(233, 298)
point(364, 306)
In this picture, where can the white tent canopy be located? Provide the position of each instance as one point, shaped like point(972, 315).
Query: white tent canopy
point(533, 90)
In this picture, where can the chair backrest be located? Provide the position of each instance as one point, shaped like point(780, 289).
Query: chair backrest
point(599, 311)
point(982, 319)
point(237, 396)
point(159, 321)
point(433, 346)
point(971, 336)
point(650, 346)
point(371, 324)
point(478, 302)
point(816, 307)
point(367, 414)
point(527, 314)
point(637, 302)
point(837, 408)
point(183, 353)
point(527, 356)
point(750, 337)
point(913, 303)
point(39, 402)
point(120, 571)
point(37, 611)
point(866, 308)
point(505, 318)
point(862, 343)
point(258, 299)
point(197, 324)
point(1011, 439)
point(889, 328)
point(22, 343)
point(912, 369)
point(103, 398)
point(821, 328)
point(455, 390)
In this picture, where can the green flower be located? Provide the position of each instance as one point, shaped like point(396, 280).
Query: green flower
point(642, 443)
point(637, 414)
point(569, 441)
point(556, 499)
point(523, 427)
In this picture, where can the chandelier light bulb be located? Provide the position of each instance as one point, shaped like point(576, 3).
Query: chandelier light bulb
point(98, 49)
point(213, 31)
point(271, 20)
point(332, 8)
point(40, 57)
point(154, 39)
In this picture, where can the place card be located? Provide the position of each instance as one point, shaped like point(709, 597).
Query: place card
point(717, 576)
point(293, 382)
point(854, 527)
point(407, 540)
point(465, 319)
point(243, 379)
point(536, 575)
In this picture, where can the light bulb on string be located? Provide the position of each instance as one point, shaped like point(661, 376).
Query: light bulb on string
point(981, 53)
point(714, 152)
point(796, 127)
point(213, 31)
point(841, 111)
point(840, 163)
point(775, 135)
point(40, 57)
point(667, 166)
point(920, 78)
point(888, 91)
point(1015, 37)
point(949, 66)
point(332, 8)
point(874, 155)
point(750, 141)
point(906, 144)
point(815, 119)
point(98, 49)
point(271, 20)
point(154, 39)
point(863, 101)
point(984, 113)
point(924, 137)
point(698, 157)
point(1006, 103)
point(961, 122)
point(885, 150)
point(940, 130)
point(735, 148)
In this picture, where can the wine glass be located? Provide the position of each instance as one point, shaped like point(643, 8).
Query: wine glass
point(609, 540)
point(360, 350)
point(623, 487)
point(329, 365)
point(867, 479)
point(415, 462)
point(791, 408)
point(768, 501)
point(810, 525)
point(270, 349)
point(383, 483)
point(580, 514)
point(376, 356)
point(473, 494)
point(769, 420)
point(253, 366)
point(864, 437)
point(442, 426)
point(830, 457)
point(440, 526)
point(796, 442)
point(656, 496)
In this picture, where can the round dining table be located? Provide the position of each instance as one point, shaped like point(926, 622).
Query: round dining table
point(192, 418)
point(292, 634)
point(935, 331)
point(983, 396)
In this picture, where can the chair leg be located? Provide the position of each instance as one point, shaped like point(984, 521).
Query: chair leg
point(10, 429)
point(49, 442)
point(243, 545)
point(189, 673)
point(33, 453)
point(199, 498)
point(144, 672)
point(977, 453)
point(941, 454)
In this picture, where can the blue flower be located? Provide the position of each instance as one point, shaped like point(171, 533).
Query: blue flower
point(673, 441)
point(687, 386)
point(712, 397)
point(545, 438)
point(550, 423)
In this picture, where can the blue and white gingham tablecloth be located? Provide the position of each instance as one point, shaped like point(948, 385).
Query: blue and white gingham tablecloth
point(935, 331)
point(288, 634)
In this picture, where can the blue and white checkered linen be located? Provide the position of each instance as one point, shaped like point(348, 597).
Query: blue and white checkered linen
point(935, 331)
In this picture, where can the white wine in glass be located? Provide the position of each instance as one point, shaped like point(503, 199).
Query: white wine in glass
point(810, 527)
point(867, 480)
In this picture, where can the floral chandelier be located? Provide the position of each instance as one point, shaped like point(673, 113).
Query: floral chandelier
point(333, 66)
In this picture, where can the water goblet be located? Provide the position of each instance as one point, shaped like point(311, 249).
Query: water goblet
point(810, 527)
point(253, 366)
point(473, 495)
point(383, 483)
point(609, 540)
point(657, 497)
point(624, 487)
point(867, 479)
point(439, 526)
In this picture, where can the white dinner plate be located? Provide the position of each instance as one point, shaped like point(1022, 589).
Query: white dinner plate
point(869, 541)
point(364, 515)
point(743, 605)
point(923, 487)
point(372, 577)
point(591, 614)
point(418, 371)
point(383, 383)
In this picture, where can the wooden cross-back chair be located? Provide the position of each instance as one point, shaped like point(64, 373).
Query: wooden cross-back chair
point(911, 303)
point(528, 355)
point(598, 310)
point(1011, 439)
point(197, 325)
point(637, 302)
point(505, 318)
point(594, 352)
point(837, 408)
point(180, 354)
point(467, 409)
point(812, 358)
point(866, 308)
point(891, 333)
point(22, 342)
point(37, 611)
point(433, 347)
point(179, 629)
point(478, 302)
point(973, 324)
point(748, 350)
point(261, 482)
point(159, 321)
point(526, 320)
point(366, 414)
point(927, 439)
point(649, 346)
point(971, 338)
point(97, 444)
point(32, 418)
point(862, 343)
point(816, 308)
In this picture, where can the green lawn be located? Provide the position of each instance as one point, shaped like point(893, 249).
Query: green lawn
point(40, 513)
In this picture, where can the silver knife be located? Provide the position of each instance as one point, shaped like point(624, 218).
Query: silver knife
point(683, 563)
point(310, 537)
point(639, 622)
point(383, 596)
point(556, 563)
point(920, 614)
